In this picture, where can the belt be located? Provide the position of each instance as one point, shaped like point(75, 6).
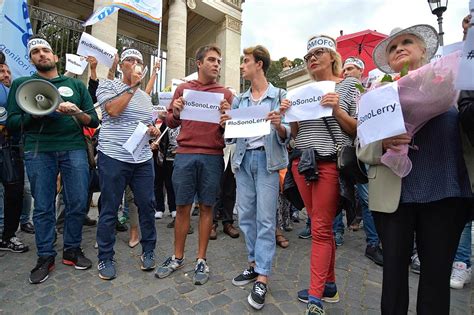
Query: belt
point(262, 148)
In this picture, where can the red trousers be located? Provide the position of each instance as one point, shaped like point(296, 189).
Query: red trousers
point(320, 199)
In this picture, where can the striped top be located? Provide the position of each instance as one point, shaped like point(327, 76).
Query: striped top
point(115, 131)
point(313, 134)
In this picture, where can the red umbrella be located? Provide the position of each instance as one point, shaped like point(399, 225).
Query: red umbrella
point(360, 45)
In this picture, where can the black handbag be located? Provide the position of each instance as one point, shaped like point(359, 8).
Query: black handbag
point(347, 162)
point(11, 164)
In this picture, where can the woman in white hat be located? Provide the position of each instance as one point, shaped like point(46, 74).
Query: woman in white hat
point(430, 201)
point(322, 137)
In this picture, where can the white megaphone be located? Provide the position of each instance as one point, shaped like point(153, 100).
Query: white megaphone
point(38, 97)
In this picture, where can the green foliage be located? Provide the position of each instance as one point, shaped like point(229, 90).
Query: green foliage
point(360, 87)
point(404, 71)
point(275, 69)
point(387, 78)
point(297, 62)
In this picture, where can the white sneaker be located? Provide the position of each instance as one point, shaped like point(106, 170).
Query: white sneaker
point(460, 275)
point(173, 214)
point(158, 215)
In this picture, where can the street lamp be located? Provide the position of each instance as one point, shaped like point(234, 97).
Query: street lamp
point(437, 8)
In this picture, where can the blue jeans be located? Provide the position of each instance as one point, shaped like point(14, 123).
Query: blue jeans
point(2, 193)
point(27, 202)
point(371, 235)
point(257, 198)
point(42, 169)
point(464, 251)
point(114, 176)
point(338, 224)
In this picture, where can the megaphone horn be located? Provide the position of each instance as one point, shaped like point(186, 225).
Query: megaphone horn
point(38, 97)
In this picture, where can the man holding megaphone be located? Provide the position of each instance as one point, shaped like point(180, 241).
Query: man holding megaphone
point(50, 110)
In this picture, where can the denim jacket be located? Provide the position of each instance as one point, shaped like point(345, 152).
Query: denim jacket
point(275, 147)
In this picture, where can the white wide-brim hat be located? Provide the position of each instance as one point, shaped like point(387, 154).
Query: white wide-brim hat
point(425, 32)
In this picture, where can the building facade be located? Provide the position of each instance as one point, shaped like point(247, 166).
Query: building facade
point(187, 24)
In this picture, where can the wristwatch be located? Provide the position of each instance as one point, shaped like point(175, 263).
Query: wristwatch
point(130, 91)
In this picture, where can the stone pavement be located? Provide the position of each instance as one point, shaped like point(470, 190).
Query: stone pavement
point(70, 291)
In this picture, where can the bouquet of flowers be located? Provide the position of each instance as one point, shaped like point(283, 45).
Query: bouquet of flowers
point(424, 94)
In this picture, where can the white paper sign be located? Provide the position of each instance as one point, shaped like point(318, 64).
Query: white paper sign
point(75, 64)
point(201, 106)
point(91, 46)
point(174, 84)
point(465, 78)
point(380, 115)
point(248, 122)
point(305, 101)
point(165, 98)
point(446, 50)
point(137, 141)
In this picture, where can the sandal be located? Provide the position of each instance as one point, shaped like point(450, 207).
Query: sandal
point(282, 241)
point(132, 244)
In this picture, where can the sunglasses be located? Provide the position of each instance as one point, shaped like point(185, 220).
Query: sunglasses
point(316, 54)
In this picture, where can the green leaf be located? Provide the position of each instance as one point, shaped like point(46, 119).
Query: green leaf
point(387, 78)
point(404, 71)
point(360, 87)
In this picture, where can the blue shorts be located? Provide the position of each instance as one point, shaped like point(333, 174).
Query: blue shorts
point(197, 174)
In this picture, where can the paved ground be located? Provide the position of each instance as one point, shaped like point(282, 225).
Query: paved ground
point(69, 291)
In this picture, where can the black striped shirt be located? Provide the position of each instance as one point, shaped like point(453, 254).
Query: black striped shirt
point(313, 134)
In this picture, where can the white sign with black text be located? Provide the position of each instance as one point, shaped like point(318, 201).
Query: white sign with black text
point(305, 101)
point(91, 46)
point(164, 99)
point(380, 115)
point(137, 141)
point(465, 78)
point(75, 64)
point(201, 106)
point(248, 122)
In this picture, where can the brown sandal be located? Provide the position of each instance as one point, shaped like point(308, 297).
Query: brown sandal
point(282, 241)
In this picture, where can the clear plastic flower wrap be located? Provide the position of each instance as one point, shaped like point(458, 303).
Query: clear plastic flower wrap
point(424, 94)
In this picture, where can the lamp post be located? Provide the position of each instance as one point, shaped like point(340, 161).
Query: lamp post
point(437, 8)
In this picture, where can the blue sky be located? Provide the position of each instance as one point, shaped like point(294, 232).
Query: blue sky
point(284, 26)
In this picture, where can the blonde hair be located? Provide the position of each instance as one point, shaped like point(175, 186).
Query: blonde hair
point(337, 59)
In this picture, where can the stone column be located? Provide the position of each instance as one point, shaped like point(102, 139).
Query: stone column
point(106, 31)
point(176, 45)
point(228, 40)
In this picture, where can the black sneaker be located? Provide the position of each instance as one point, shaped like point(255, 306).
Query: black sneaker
point(121, 227)
point(375, 254)
point(27, 228)
point(75, 257)
point(256, 297)
point(14, 245)
point(41, 271)
point(247, 276)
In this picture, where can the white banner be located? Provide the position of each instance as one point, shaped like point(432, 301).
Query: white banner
point(91, 46)
point(164, 98)
point(305, 101)
point(75, 64)
point(248, 122)
point(201, 106)
point(100, 15)
point(446, 50)
point(137, 141)
point(465, 78)
point(380, 115)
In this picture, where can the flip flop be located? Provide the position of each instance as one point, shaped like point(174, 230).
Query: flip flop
point(282, 241)
point(133, 244)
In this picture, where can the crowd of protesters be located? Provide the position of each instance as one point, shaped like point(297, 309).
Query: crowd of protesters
point(66, 156)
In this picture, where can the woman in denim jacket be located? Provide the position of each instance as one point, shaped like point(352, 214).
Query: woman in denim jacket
point(256, 163)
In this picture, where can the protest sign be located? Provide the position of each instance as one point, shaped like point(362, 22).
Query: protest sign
point(248, 122)
point(156, 110)
point(201, 106)
point(164, 98)
point(91, 46)
point(75, 64)
point(174, 84)
point(465, 78)
point(305, 101)
point(137, 141)
point(380, 114)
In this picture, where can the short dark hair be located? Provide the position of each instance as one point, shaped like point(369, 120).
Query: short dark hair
point(2, 58)
point(260, 53)
point(203, 50)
